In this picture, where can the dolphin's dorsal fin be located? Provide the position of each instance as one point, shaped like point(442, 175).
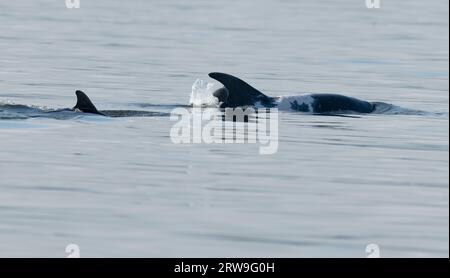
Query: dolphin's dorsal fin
point(84, 104)
point(240, 93)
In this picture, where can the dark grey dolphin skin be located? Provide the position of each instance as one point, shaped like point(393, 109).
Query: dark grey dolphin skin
point(84, 104)
point(237, 93)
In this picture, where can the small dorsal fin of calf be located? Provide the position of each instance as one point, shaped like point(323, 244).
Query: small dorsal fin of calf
point(84, 104)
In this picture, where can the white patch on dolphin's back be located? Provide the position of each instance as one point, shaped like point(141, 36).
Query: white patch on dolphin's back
point(202, 93)
point(286, 103)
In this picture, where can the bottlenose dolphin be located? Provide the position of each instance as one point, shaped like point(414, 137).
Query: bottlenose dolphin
point(83, 105)
point(238, 93)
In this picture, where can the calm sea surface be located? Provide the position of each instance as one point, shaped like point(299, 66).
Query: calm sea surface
point(121, 188)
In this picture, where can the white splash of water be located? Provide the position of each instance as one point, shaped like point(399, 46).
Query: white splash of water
point(201, 94)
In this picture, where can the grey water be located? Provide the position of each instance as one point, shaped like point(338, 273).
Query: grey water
point(119, 187)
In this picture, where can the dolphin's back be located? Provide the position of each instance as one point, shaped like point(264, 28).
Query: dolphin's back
point(324, 103)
